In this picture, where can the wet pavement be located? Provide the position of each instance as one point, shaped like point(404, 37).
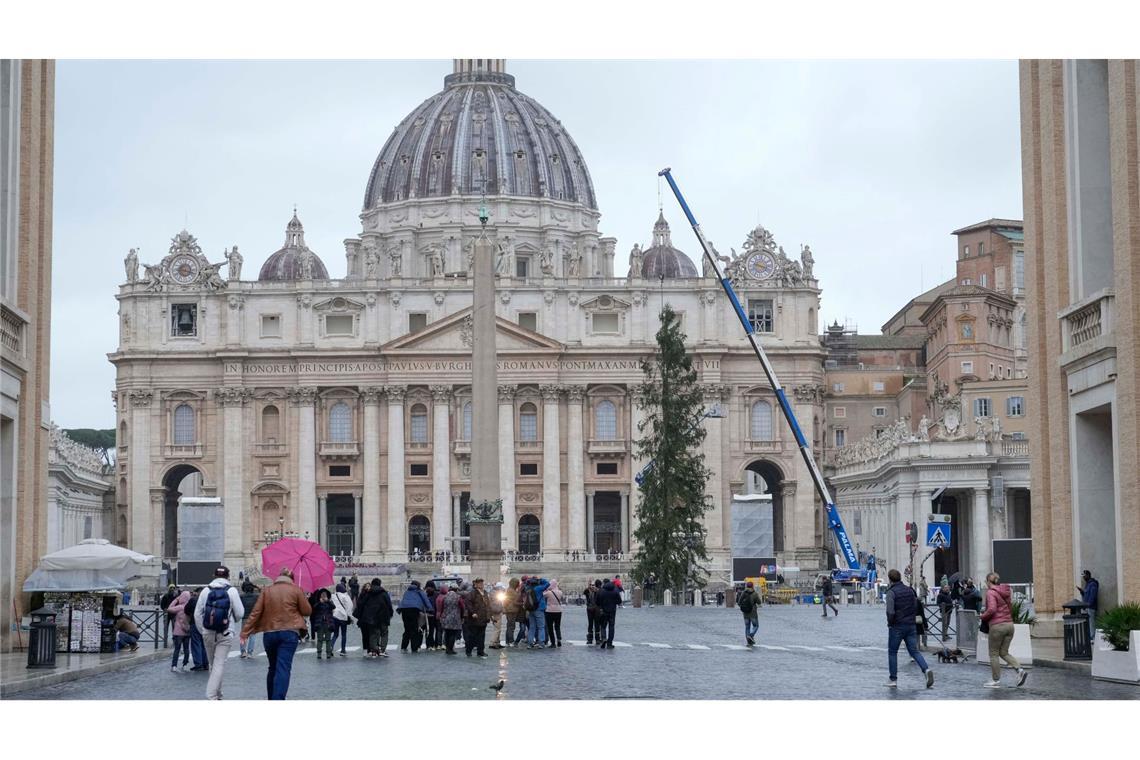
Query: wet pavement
point(661, 653)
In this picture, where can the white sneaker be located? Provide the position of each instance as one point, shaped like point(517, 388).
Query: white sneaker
point(1022, 674)
point(992, 684)
point(891, 684)
point(173, 669)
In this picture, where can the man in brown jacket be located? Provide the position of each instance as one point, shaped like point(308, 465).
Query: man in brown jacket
point(280, 614)
point(476, 615)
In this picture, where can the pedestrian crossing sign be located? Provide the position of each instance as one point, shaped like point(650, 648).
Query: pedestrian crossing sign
point(938, 535)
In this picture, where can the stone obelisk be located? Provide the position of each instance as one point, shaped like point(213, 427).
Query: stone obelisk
point(485, 516)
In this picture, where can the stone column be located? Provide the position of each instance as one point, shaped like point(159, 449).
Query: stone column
point(441, 465)
point(304, 400)
point(714, 455)
point(636, 415)
point(551, 472)
point(456, 503)
point(139, 535)
point(233, 401)
point(980, 549)
point(236, 303)
point(507, 464)
point(305, 318)
point(357, 528)
point(322, 536)
point(590, 522)
point(575, 452)
point(919, 512)
point(625, 520)
point(397, 544)
point(369, 518)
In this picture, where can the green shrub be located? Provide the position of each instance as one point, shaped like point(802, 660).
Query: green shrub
point(1117, 623)
point(1021, 613)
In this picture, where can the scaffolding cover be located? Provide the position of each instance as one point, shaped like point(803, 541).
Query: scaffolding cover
point(752, 529)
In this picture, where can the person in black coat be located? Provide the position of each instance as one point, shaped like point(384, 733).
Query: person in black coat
point(365, 627)
point(608, 600)
point(377, 610)
point(945, 602)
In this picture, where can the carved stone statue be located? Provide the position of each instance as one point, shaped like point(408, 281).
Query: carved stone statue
point(306, 260)
point(995, 428)
point(924, 428)
point(210, 277)
point(980, 428)
point(635, 261)
point(131, 263)
point(370, 262)
point(503, 259)
point(154, 275)
point(573, 262)
point(808, 261)
point(234, 260)
point(436, 261)
point(546, 261)
point(396, 260)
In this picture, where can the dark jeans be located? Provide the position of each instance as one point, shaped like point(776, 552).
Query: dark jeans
point(593, 625)
point(435, 633)
point(521, 623)
point(897, 634)
point(606, 626)
point(198, 648)
point(449, 637)
point(412, 635)
point(554, 628)
point(474, 636)
point(280, 646)
point(340, 629)
point(183, 643)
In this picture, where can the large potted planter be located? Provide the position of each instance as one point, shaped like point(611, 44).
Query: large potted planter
point(1116, 651)
point(1022, 645)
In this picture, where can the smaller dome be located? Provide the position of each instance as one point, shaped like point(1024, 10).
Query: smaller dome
point(289, 262)
point(663, 260)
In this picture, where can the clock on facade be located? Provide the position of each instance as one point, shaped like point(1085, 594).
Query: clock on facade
point(184, 269)
point(760, 265)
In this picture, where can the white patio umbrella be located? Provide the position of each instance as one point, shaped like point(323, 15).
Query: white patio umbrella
point(92, 564)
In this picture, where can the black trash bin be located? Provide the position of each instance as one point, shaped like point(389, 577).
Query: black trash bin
point(41, 638)
point(1077, 643)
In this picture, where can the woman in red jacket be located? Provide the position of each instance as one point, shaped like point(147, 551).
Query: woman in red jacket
point(998, 614)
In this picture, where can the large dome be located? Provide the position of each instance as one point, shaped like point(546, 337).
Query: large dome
point(663, 260)
point(479, 127)
point(288, 262)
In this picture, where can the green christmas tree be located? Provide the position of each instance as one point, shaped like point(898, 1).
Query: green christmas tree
point(673, 501)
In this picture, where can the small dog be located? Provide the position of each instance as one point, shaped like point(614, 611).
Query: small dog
point(952, 655)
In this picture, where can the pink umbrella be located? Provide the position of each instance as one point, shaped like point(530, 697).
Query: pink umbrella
point(312, 567)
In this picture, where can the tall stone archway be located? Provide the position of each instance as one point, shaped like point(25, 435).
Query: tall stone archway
point(762, 476)
point(181, 480)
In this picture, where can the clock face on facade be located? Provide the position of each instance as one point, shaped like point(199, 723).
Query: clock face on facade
point(184, 269)
point(760, 266)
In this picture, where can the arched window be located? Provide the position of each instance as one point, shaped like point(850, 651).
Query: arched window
point(122, 442)
point(529, 535)
point(761, 421)
point(340, 423)
point(122, 532)
point(528, 422)
point(184, 425)
point(419, 534)
point(270, 424)
point(419, 424)
point(605, 421)
point(466, 422)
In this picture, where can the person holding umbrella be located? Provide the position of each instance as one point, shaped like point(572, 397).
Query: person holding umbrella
point(280, 614)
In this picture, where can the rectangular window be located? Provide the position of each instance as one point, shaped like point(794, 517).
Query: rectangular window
point(840, 438)
point(417, 322)
point(418, 470)
point(967, 281)
point(839, 412)
point(878, 386)
point(982, 251)
point(982, 407)
point(966, 255)
point(1019, 269)
point(528, 427)
point(605, 323)
point(522, 267)
point(879, 411)
point(339, 325)
point(967, 368)
point(340, 471)
point(858, 522)
point(528, 468)
point(760, 314)
point(529, 320)
point(837, 387)
point(984, 280)
point(419, 429)
point(1008, 373)
point(607, 468)
point(991, 369)
point(87, 527)
point(1015, 406)
point(271, 325)
point(184, 320)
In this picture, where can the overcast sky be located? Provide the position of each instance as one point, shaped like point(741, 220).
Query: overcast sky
point(871, 163)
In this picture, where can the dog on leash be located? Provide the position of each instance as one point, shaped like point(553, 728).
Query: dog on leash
point(952, 655)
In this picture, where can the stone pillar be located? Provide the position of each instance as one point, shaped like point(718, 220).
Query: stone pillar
point(397, 544)
point(456, 518)
point(357, 528)
point(576, 486)
point(139, 535)
point(369, 517)
point(919, 512)
point(236, 303)
point(714, 454)
point(233, 401)
point(981, 562)
point(636, 415)
point(551, 473)
point(625, 519)
point(590, 522)
point(507, 464)
point(322, 536)
point(486, 548)
point(304, 400)
point(441, 465)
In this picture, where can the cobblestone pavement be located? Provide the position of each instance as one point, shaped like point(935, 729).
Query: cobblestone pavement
point(661, 653)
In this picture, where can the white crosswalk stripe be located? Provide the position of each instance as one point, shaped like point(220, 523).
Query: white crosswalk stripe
point(656, 646)
point(736, 647)
point(771, 646)
point(696, 646)
point(841, 649)
point(810, 649)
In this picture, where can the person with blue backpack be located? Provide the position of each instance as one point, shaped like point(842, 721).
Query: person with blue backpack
point(534, 602)
point(216, 616)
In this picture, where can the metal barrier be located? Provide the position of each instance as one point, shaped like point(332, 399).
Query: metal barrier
point(149, 621)
point(967, 629)
point(934, 619)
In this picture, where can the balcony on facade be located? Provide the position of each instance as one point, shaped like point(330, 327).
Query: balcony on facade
point(461, 449)
point(12, 323)
point(183, 450)
point(528, 446)
point(268, 449)
point(1087, 327)
point(417, 445)
point(597, 447)
point(763, 447)
point(339, 449)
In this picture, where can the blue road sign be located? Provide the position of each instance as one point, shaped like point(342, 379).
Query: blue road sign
point(938, 535)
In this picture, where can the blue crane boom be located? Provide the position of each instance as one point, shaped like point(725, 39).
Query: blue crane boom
point(855, 572)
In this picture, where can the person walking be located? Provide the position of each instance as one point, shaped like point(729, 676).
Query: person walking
point(197, 646)
point(358, 612)
point(377, 611)
point(217, 615)
point(342, 616)
point(449, 607)
point(176, 609)
point(553, 613)
point(826, 590)
point(515, 614)
point(476, 615)
point(280, 615)
point(248, 596)
point(324, 623)
point(593, 631)
point(902, 607)
point(1090, 594)
point(354, 587)
point(434, 640)
point(609, 599)
point(945, 602)
point(971, 597)
point(534, 601)
point(498, 599)
point(749, 604)
point(998, 615)
point(413, 610)
point(164, 603)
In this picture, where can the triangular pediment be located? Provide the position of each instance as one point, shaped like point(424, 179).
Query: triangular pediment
point(452, 334)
